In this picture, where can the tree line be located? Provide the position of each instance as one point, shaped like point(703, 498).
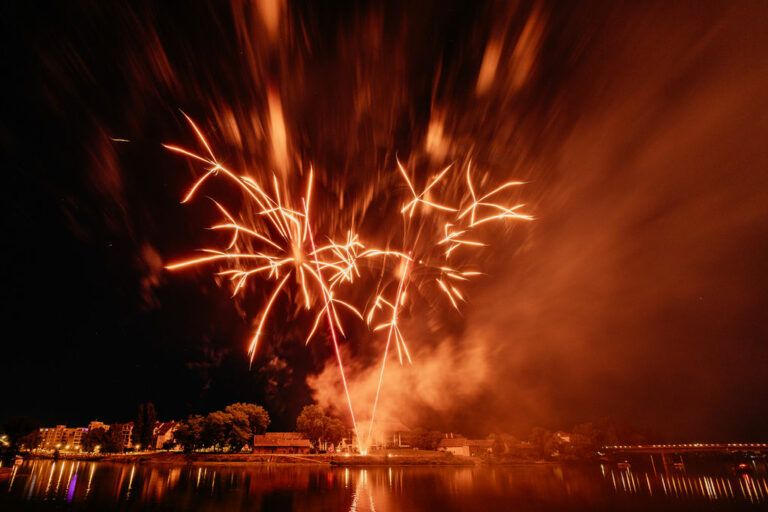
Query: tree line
point(582, 442)
point(107, 440)
point(232, 428)
point(321, 430)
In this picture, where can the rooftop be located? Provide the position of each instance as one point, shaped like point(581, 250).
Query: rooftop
point(276, 439)
point(458, 442)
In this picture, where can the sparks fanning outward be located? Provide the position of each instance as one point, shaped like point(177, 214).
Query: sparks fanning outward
point(276, 244)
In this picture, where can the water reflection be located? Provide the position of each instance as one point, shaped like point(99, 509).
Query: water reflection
point(84, 484)
point(744, 487)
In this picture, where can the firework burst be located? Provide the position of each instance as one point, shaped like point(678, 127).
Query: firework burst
point(277, 243)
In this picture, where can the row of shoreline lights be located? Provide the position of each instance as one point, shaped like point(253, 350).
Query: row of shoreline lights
point(137, 447)
point(96, 448)
point(690, 445)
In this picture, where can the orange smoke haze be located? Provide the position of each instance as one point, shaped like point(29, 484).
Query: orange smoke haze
point(442, 378)
point(638, 130)
point(634, 293)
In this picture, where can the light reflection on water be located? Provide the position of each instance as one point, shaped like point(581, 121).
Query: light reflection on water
point(744, 487)
point(41, 484)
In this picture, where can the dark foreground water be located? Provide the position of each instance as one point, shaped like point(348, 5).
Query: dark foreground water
point(79, 485)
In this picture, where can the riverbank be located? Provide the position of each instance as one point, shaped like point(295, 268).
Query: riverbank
point(416, 458)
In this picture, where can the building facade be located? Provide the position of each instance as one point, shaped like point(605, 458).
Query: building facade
point(164, 434)
point(281, 442)
point(466, 447)
point(62, 437)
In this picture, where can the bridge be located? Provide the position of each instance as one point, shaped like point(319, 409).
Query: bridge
point(687, 448)
point(665, 450)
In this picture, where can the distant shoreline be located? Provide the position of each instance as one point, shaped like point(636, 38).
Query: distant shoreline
point(336, 460)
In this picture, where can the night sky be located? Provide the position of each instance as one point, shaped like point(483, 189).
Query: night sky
point(639, 292)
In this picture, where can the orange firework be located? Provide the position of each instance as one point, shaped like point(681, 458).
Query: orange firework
point(278, 243)
point(284, 242)
point(457, 222)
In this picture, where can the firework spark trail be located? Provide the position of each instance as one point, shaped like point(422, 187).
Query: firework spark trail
point(281, 218)
point(286, 231)
point(264, 315)
point(333, 333)
point(451, 238)
point(386, 349)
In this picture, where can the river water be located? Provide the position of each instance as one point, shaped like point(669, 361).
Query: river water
point(81, 485)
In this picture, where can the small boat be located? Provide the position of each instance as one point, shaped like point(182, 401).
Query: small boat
point(18, 460)
point(624, 465)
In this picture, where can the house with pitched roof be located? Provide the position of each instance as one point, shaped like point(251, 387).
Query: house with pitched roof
point(164, 433)
point(464, 446)
point(281, 442)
